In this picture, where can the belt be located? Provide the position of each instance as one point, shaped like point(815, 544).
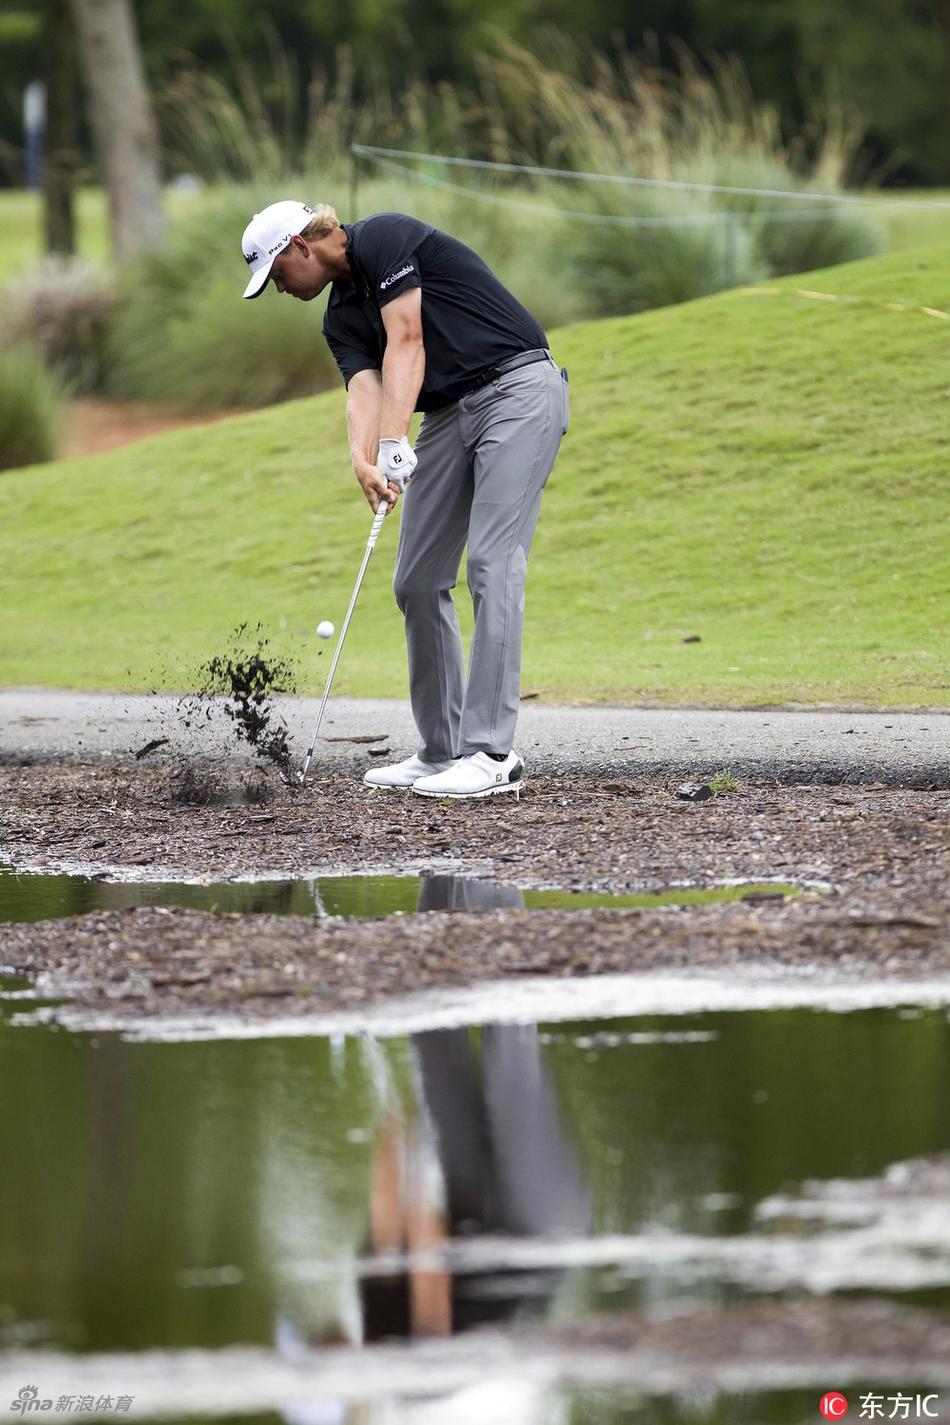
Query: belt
point(525, 358)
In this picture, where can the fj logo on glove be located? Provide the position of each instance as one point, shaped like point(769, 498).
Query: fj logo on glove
point(395, 276)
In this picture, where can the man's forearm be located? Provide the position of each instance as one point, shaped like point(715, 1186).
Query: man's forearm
point(404, 366)
point(364, 404)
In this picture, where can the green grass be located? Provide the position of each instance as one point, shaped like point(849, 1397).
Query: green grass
point(913, 227)
point(761, 469)
point(723, 781)
point(683, 895)
point(21, 226)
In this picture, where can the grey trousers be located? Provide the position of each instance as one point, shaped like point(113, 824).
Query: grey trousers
point(483, 463)
point(508, 1161)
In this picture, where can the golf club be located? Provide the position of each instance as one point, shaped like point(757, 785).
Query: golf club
point(377, 525)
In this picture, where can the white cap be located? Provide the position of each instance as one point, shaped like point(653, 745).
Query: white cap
point(267, 234)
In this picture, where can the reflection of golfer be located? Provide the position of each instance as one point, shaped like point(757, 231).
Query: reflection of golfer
point(508, 1166)
point(505, 1165)
point(417, 321)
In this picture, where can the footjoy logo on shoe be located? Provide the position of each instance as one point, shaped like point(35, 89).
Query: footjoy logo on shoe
point(395, 276)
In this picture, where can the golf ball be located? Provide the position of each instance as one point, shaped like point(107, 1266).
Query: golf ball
point(325, 629)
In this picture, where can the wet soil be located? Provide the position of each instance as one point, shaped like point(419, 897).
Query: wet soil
point(885, 852)
point(786, 1337)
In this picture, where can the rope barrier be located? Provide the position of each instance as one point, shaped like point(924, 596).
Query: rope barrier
point(371, 151)
point(725, 218)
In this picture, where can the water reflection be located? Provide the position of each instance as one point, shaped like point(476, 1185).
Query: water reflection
point(27, 897)
point(469, 1140)
point(211, 1193)
point(487, 1152)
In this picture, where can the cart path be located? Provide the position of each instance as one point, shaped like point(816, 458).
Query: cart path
point(897, 748)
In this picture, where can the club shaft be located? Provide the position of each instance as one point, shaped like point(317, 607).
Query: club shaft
point(377, 525)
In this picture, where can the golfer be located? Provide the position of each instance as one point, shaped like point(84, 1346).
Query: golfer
point(417, 321)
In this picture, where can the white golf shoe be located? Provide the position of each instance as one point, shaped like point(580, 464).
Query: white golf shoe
point(476, 776)
point(404, 774)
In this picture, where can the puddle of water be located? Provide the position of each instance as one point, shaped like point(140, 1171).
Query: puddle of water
point(345, 1191)
point(26, 896)
point(281, 1193)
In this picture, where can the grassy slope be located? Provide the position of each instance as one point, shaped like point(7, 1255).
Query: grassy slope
point(762, 469)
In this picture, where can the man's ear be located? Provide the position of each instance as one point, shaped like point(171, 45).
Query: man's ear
point(301, 244)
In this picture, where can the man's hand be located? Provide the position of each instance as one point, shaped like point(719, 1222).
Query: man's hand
point(396, 462)
point(373, 485)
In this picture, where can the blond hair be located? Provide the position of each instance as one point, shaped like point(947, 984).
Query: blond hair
point(324, 220)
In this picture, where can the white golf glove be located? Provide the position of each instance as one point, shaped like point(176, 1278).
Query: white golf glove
point(396, 462)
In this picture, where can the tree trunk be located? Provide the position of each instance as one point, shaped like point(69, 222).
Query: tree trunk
point(123, 127)
point(59, 171)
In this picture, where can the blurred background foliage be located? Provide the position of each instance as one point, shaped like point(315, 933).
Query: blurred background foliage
point(887, 59)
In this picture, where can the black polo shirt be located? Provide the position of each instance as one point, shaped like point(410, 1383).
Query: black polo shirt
point(470, 321)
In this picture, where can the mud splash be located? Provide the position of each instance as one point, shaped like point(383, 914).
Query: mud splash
point(243, 682)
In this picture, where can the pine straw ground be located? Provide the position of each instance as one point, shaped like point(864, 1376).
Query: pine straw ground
point(884, 851)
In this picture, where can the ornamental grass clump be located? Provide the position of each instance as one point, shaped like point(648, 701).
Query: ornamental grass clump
point(184, 335)
point(63, 307)
point(29, 409)
point(681, 135)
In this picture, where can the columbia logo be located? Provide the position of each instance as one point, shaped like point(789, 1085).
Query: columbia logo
point(395, 276)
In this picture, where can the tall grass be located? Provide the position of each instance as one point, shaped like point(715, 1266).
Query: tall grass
point(578, 109)
point(62, 307)
point(183, 334)
point(241, 130)
point(29, 409)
